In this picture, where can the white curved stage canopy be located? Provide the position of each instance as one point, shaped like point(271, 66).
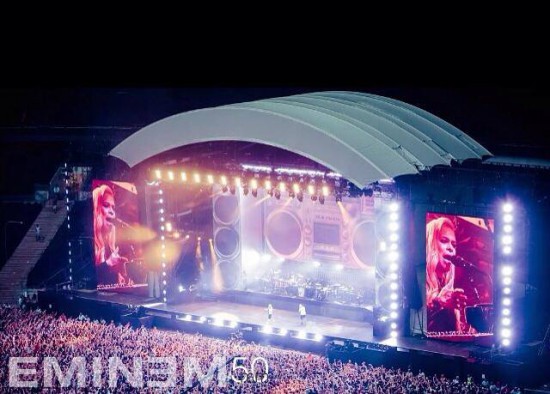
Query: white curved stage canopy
point(363, 137)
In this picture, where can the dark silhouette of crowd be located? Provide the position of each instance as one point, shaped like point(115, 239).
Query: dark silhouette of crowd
point(39, 334)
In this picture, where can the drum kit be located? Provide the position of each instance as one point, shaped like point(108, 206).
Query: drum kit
point(296, 285)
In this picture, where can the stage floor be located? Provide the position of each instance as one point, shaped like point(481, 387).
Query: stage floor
point(250, 314)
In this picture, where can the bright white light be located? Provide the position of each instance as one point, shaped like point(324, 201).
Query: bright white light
point(197, 178)
point(188, 318)
point(393, 315)
point(266, 258)
point(296, 188)
point(301, 335)
point(393, 246)
point(507, 290)
point(506, 312)
point(164, 292)
point(393, 226)
point(507, 228)
point(382, 246)
point(210, 179)
point(161, 201)
point(394, 237)
point(393, 276)
point(164, 299)
point(161, 210)
point(394, 296)
point(507, 270)
point(158, 174)
point(393, 256)
point(393, 334)
point(507, 239)
point(267, 329)
point(232, 324)
point(202, 319)
point(394, 266)
point(180, 287)
point(253, 184)
point(506, 321)
point(316, 264)
point(267, 185)
point(506, 301)
point(507, 249)
point(394, 286)
point(506, 333)
point(507, 281)
point(170, 175)
point(393, 326)
point(163, 273)
point(184, 177)
point(508, 218)
point(506, 342)
point(507, 207)
point(283, 331)
point(394, 216)
point(394, 207)
point(161, 192)
point(339, 267)
point(318, 337)
point(325, 191)
point(393, 305)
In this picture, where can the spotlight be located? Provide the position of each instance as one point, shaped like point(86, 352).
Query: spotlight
point(506, 342)
point(507, 208)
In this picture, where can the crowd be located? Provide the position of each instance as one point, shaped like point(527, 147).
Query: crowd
point(39, 334)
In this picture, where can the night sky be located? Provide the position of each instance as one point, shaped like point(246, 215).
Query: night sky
point(41, 128)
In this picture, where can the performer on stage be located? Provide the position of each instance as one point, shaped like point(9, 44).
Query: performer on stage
point(445, 303)
point(269, 313)
point(302, 312)
point(111, 267)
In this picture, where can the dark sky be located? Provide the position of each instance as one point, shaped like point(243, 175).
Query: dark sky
point(40, 128)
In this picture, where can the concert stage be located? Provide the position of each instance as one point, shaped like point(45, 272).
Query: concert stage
point(331, 328)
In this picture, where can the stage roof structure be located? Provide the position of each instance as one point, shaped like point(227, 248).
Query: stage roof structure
point(364, 137)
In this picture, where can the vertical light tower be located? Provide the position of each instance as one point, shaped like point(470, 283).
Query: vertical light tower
point(164, 277)
point(69, 244)
point(393, 276)
point(506, 244)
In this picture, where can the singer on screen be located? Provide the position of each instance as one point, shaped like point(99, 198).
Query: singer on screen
point(111, 266)
point(445, 302)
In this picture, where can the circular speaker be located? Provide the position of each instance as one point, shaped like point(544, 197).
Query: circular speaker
point(226, 242)
point(230, 273)
point(364, 243)
point(226, 209)
point(284, 234)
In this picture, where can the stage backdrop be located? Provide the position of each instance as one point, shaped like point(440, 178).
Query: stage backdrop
point(117, 248)
point(459, 276)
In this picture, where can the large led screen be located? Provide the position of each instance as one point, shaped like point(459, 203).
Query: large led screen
point(115, 227)
point(459, 276)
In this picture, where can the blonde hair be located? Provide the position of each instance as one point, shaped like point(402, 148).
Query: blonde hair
point(433, 229)
point(104, 236)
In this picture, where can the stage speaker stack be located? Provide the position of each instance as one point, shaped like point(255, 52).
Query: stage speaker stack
point(227, 237)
